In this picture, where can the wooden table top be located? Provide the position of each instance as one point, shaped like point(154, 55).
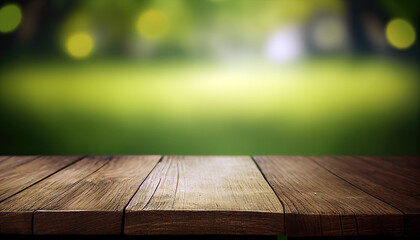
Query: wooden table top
point(261, 195)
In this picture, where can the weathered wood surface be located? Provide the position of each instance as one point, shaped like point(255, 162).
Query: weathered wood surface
point(296, 196)
point(318, 203)
point(17, 173)
point(205, 195)
point(10, 162)
point(394, 180)
point(96, 204)
point(16, 212)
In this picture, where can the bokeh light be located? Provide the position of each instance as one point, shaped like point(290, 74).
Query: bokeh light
point(10, 18)
point(285, 45)
point(80, 45)
point(306, 77)
point(400, 33)
point(152, 24)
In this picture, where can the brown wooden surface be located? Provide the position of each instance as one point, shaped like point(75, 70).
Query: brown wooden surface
point(10, 162)
point(304, 196)
point(394, 180)
point(204, 195)
point(96, 204)
point(16, 212)
point(17, 173)
point(316, 201)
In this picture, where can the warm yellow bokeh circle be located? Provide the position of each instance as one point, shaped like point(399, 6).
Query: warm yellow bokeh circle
point(400, 33)
point(10, 18)
point(152, 24)
point(80, 45)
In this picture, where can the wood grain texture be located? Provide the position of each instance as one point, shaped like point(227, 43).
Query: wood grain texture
point(16, 212)
point(96, 204)
point(204, 195)
point(394, 180)
point(322, 196)
point(318, 203)
point(11, 162)
point(28, 170)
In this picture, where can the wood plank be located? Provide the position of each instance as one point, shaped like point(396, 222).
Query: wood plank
point(390, 179)
point(14, 161)
point(408, 162)
point(28, 170)
point(317, 203)
point(96, 204)
point(405, 169)
point(4, 158)
point(16, 212)
point(204, 195)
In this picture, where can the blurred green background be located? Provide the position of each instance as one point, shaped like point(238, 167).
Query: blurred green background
point(209, 77)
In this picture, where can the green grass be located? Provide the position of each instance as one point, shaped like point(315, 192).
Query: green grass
point(331, 106)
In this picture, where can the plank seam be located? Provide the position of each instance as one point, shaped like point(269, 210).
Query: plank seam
point(32, 159)
point(376, 166)
point(272, 189)
point(355, 185)
point(404, 215)
point(131, 199)
point(293, 202)
point(74, 184)
point(68, 189)
point(357, 224)
point(42, 179)
point(28, 161)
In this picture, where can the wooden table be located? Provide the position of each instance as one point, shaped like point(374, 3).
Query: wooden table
point(263, 195)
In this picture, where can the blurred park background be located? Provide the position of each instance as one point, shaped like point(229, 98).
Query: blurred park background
point(304, 77)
